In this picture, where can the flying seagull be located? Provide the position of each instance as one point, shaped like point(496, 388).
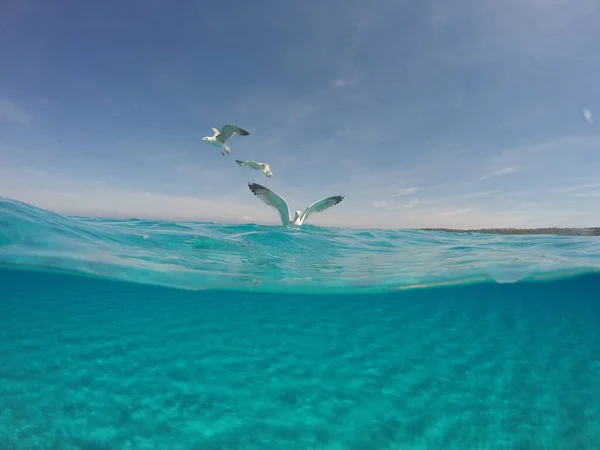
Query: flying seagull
point(220, 137)
point(263, 167)
point(274, 200)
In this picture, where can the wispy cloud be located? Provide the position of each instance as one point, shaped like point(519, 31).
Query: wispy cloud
point(382, 203)
point(86, 196)
point(497, 173)
point(11, 112)
point(406, 191)
point(578, 188)
point(97, 198)
point(397, 193)
point(588, 115)
point(342, 82)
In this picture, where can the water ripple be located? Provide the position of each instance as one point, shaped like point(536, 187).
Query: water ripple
point(192, 255)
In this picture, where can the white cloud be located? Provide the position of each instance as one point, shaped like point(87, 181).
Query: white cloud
point(407, 191)
point(498, 173)
point(583, 187)
point(342, 82)
point(416, 202)
point(588, 115)
point(382, 203)
point(402, 192)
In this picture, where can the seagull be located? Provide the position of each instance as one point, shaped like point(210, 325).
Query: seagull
point(220, 137)
point(264, 167)
point(274, 200)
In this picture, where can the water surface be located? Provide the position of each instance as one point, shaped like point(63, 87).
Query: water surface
point(159, 335)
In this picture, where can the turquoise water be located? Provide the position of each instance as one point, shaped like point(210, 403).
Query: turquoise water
point(158, 335)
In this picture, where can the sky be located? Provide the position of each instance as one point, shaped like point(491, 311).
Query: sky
point(429, 113)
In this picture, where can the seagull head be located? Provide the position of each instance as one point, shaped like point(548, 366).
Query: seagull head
point(296, 214)
point(207, 138)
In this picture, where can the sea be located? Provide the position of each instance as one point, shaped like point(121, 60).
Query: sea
point(137, 334)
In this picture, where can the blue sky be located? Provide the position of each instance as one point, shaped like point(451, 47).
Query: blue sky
point(422, 113)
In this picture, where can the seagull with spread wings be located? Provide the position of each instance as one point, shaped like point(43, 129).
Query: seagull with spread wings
point(263, 167)
point(220, 137)
point(274, 200)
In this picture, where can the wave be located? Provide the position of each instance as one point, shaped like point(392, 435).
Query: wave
point(310, 259)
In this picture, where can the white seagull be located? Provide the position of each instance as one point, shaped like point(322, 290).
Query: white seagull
point(263, 167)
point(274, 200)
point(220, 137)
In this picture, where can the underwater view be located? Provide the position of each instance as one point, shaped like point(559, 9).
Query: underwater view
point(168, 335)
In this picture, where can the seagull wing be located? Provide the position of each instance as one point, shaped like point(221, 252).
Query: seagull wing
point(229, 130)
point(321, 206)
point(273, 200)
point(251, 164)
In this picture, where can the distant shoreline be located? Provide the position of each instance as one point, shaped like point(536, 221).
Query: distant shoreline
point(552, 230)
